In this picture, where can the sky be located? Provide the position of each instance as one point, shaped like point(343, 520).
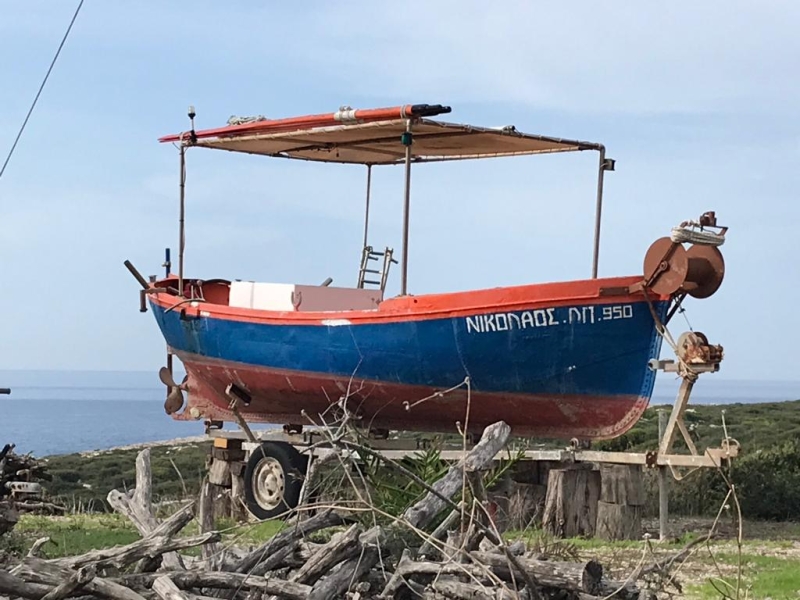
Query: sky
point(697, 102)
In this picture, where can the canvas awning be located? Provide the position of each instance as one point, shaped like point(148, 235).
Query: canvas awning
point(379, 142)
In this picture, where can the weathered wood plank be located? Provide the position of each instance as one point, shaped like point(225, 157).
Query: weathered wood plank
point(238, 507)
point(458, 590)
point(577, 577)
point(493, 440)
point(571, 502)
point(76, 581)
point(341, 547)
point(138, 506)
point(429, 549)
point(344, 575)
point(11, 585)
point(187, 580)
point(219, 473)
point(36, 570)
point(122, 556)
point(167, 590)
point(619, 521)
point(622, 484)
point(321, 520)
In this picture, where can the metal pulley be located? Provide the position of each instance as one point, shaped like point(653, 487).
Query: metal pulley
point(669, 268)
point(692, 347)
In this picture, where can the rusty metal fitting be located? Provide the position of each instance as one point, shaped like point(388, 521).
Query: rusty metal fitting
point(693, 348)
point(708, 219)
point(670, 269)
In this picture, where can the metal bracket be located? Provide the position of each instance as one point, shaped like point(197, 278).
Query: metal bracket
point(664, 456)
point(237, 396)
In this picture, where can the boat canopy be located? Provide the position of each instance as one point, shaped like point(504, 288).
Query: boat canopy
point(375, 137)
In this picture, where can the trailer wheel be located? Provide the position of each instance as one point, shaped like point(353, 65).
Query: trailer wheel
point(272, 480)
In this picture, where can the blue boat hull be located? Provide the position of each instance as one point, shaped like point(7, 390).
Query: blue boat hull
point(566, 370)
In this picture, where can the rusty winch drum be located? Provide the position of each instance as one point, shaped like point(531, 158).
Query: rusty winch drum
point(669, 268)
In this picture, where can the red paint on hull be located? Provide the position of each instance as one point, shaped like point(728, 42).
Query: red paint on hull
point(281, 397)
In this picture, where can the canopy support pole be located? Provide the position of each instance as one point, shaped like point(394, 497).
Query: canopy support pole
point(366, 215)
point(603, 166)
point(406, 140)
point(181, 220)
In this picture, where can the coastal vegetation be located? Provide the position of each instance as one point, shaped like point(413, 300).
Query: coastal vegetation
point(767, 472)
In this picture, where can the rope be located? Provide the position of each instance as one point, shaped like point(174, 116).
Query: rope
point(236, 120)
point(41, 87)
point(661, 329)
point(687, 232)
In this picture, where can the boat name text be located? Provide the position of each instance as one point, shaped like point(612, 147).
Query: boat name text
point(547, 317)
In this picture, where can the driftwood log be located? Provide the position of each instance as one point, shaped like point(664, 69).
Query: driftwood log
point(480, 458)
point(19, 467)
point(137, 505)
point(576, 577)
point(8, 517)
point(16, 468)
point(458, 560)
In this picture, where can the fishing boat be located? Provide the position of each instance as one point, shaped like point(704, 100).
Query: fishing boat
point(568, 359)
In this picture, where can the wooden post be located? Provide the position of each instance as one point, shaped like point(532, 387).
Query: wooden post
point(238, 507)
point(571, 503)
point(619, 512)
point(8, 517)
point(663, 484)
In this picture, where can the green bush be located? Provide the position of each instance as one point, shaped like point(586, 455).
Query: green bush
point(767, 483)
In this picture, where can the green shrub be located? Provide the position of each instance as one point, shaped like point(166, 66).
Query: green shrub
point(767, 483)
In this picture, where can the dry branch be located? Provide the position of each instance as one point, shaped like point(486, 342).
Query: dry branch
point(440, 533)
point(149, 547)
point(37, 546)
point(470, 591)
point(479, 458)
point(11, 585)
point(577, 577)
point(289, 567)
point(344, 575)
point(322, 520)
point(187, 580)
point(138, 505)
point(341, 547)
point(167, 590)
point(36, 570)
point(78, 580)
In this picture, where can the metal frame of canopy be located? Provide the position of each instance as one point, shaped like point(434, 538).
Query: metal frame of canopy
point(375, 137)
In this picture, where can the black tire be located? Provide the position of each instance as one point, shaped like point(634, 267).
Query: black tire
point(273, 478)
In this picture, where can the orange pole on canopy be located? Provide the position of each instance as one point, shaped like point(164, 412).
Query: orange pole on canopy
point(345, 115)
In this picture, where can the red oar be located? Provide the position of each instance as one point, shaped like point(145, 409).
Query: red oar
point(310, 121)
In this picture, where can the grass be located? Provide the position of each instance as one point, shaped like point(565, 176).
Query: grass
point(770, 564)
point(763, 577)
point(79, 533)
point(75, 534)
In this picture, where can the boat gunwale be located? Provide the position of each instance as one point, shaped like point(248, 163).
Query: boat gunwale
point(423, 307)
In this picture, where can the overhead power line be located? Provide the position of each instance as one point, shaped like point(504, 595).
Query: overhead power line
point(41, 87)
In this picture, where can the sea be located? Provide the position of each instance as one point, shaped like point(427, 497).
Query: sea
point(61, 412)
